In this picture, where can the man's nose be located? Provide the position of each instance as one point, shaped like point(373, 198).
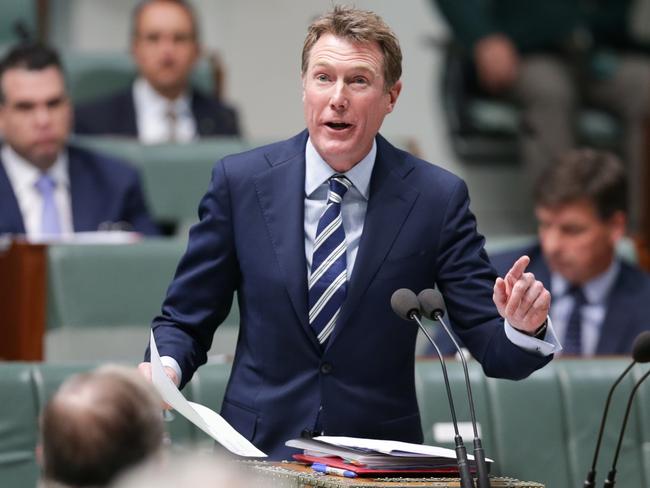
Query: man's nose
point(339, 99)
point(42, 116)
point(551, 241)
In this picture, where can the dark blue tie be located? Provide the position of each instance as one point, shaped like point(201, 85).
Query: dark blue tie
point(328, 279)
point(573, 336)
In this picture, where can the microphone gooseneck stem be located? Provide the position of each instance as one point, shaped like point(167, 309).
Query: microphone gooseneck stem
point(443, 365)
point(611, 476)
point(438, 317)
point(479, 453)
point(466, 480)
point(590, 481)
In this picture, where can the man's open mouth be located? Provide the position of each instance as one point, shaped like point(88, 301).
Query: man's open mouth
point(338, 125)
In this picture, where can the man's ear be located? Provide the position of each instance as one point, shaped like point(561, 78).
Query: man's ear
point(393, 93)
point(617, 225)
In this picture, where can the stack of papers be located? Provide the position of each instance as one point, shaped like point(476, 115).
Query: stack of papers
point(373, 456)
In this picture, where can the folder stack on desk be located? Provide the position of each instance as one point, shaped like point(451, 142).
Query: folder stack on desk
point(372, 457)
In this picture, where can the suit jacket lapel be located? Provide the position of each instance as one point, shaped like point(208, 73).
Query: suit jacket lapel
point(10, 217)
point(389, 205)
point(618, 315)
point(84, 196)
point(280, 192)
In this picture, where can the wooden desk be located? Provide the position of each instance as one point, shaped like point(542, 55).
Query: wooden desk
point(23, 272)
point(301, 476)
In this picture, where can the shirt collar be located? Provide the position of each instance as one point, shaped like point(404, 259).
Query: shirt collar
point(24, 174)
point(596, 290)
point(148, 98)
point(317, 170)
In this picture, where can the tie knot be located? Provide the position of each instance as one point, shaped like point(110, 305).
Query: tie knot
point(339, 185)
point(578, 295)
point(45, 184)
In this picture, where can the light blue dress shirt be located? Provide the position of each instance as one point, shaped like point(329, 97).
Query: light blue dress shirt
point(593, 313)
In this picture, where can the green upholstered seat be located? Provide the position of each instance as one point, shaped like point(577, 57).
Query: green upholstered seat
point(18, 426)
point(175, 176)
point(92, 75)
point(528, 425)
point(109, 285)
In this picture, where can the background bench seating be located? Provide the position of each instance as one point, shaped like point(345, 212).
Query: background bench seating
point(541, 429)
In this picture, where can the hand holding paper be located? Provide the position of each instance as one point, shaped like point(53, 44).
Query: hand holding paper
point(205, 419)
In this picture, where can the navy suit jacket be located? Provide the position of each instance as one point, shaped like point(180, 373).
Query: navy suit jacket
point(115, 115)
point(250, 239)
point(102, 190)
point(628, 304)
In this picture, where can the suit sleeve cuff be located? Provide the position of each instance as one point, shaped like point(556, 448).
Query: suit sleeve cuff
point(546, 346)
point(170, 362)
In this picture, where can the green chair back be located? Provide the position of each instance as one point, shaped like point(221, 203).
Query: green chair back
point(175, 176)
point(93, 75)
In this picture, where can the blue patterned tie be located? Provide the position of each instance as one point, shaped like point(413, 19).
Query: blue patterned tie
point(50, 224)
point(573, 337)
point(328, 280)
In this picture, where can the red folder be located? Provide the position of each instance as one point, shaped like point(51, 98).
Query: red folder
point(337, 462)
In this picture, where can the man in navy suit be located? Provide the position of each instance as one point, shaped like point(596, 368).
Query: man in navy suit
point(161, 105)
point(47, 187)
point(581, 212)
point(385, 219)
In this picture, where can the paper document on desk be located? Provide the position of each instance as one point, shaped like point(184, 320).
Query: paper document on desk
point(205, 419)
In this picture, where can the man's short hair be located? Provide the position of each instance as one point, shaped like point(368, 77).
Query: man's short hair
point(137, 11)
point(29, 56)
point(97, 425)
point(357, 26)
point(594, 175)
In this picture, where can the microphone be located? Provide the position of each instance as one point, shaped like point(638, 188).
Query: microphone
point(406, 305)
point(640, 354)
point(433, 306)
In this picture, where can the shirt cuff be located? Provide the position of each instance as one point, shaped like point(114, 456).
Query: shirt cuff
point(544, 347)
point(170, 362)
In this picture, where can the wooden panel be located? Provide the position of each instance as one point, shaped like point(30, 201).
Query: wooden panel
point(22, 301)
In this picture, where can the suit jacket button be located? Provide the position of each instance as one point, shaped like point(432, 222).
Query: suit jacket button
point(326, 368)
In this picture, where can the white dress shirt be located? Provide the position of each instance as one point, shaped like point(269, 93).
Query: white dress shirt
point(152, 121)
point(23, 176)
point(596, 292)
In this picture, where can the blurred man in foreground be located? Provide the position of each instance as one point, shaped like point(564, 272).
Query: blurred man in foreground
point(161, 105)
point(47, 187)
point(98, 425)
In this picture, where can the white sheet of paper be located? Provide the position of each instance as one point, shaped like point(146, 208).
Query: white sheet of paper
point(205, 419)
point(394, 448)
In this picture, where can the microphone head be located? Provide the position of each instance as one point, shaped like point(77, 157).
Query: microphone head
point(405, 304)
point(432, 303)
point(641, 347)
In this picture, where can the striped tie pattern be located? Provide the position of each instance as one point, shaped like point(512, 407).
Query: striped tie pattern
point(328, 279)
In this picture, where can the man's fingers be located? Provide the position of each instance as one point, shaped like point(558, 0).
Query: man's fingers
point(145, 370)
point(516, 271)
point(500, 295)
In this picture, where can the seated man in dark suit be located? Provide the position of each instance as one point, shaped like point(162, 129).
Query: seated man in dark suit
point(47, 187)
point(600, 303)
point(161, 105)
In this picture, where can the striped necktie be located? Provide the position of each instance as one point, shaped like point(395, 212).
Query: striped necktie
point(328, 279)
point(50, 221)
